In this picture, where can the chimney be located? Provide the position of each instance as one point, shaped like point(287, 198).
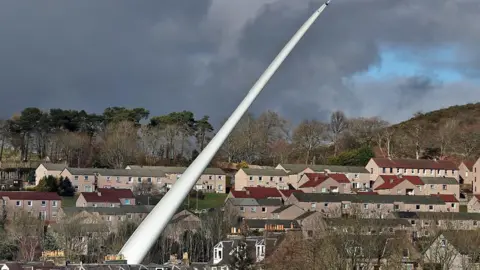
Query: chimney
point(391, 181)
point(99, 193)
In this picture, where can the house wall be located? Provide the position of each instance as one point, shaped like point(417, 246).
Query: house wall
point(256, 212)
point(448, 256)
point(400, 189)
point(243, 180)
point(42, 172)
point(442, 189)
point(465, 174)
point(49, 210)
point(476, 177)
point(376, 171)
point(326, 187)
point(81, 183)
point(295, 179)
point(473, 205)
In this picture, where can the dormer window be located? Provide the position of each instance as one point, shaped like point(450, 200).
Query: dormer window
point(217, 253)
point(260, 250)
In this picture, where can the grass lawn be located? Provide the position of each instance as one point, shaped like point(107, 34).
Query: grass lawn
point(212, 200)
point(69, 201)
point(463, 208)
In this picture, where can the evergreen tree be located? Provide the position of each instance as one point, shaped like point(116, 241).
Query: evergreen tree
point(48, 184)
point(65, 187)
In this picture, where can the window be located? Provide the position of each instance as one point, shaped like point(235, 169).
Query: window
point(139, 179)
point(405, 253)
point(118, 179)
point(325, 205)
point(324, 190)
point(413, 171)
point(384, 170)
point(217, 254)
point(314, 205)
point(94, 205)
point(356, 176)
point(108, 178)
point(430, 207)
point(220, 187)
point(242, 209)
point(44, 203)
point(443, 242)
point(85, 177)
point(219, 177)
point(209, 177)
point(127, 201)
point(112, 205)
point(474, 223)
point(345, 206)
point(149, 179)
point(444, 187)
point(264, 209)
point(253, 209)
point(251, 178)
point(432, 186)
point(453, 205)
point(75, 177)
point(396, 206)
point(29, 203)
point(130, 179)
point(159, 180)
point(54, 203)
point(398, 170)
point(88, 188)
point(371, 170)
point(271, 178)
point(379, 206)
point(412, 222)
point(259, 178)
point(365, 206)
point(280, 179)
point(417, 206)
point(391, 170)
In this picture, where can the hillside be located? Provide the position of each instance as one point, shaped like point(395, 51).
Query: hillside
point(453, 132)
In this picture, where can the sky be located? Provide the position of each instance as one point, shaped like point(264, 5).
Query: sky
point(364, 57)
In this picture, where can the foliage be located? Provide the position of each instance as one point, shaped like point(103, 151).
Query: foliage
point(357, 157)
point(65, 187)
point(48, 184)
point(242, 165)
point(241, 259)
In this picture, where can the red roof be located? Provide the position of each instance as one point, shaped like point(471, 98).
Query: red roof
point(415, 163)
point(315, 179)
point(448, 198)
point(288, 192)
point(31, 195)
point(239, 194)
point(262, 192)
point(107, 195)
point(469, 164)
point(390, 181)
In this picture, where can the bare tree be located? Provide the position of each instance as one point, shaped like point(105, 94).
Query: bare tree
point(366, 130)
point(146, 188)
point(338, 123)
point(446, 135)
point(119, 144)
point(385, 141)
point(308, 136)
point(26, 231)
point(152, 142)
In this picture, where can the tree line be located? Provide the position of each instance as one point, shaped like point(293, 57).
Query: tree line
point(122, 136)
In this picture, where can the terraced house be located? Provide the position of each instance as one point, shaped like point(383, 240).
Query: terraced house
point(105, 197)
point(45, 205)
point(336, 205)
point(415, 185)
point(48, 169)
point(416, 167)
point(273, 178)
point(211, 180)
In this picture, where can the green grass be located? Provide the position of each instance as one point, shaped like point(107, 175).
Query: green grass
point(212, 200)
point(463, 208)
point(69, 201)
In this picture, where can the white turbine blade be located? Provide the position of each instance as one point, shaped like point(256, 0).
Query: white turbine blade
point(152, 226)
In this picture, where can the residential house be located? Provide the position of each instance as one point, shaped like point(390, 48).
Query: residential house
point(294, 171)
point(417, 167)
point(83, 179)
point(366, 226)
point(211, 180)
point(113, 216)
point(359, 177)
point(48, 169)
point(473, 206)
point(106, 197)
point(262, 193)
point(325, 183)
point(312, 223)
point(265, 225)
point(476, 176)
point(453, 250)
point(45, 205)
point(415, 185)
point(336, 205)
point(181, 222)
point(130, 179)
point(261, 177)
point(451, 202)
point(430, 223)
point(466, 172)
point(287, 212)
point(258, 249)
point(251, 208)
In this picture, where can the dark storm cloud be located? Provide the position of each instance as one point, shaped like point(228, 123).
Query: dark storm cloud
point(204, 55)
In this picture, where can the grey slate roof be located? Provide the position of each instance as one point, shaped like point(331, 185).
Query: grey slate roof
point(177, 170)
point(306, 214)
point(243, 201)
point(54, 166)
point(338, 169)
point(438, 215)
point(439, 180)
point(294, 168)
point(281, 209)
point(366, 198)
point(122, 210)
point(269, 202)
point(265, 172)
point(367, 222)
point(117, 172)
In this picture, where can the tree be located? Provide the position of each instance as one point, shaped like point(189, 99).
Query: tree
point(119, 145)
point(26, 231)
point(121, 114)
point(338, 123)
point(65, 187)
point(357, 157)
point(203, 130)
point(241, 259)
point(308, 136)
point(48, 184)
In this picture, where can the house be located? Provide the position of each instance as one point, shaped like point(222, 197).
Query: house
point(265, 225)
point(262, 193)
point(129, 179)
point(181, 222)
point(256, 248)
point(48, 169)
point(415, 185)
point(473, 206)
point(451, 202)
point(105, 197)
point(211, 180)
point(113, 216)
point(83, 179)
point(287, 212)
point(252, 208)
point(261, 177)
point(45, 205)
point(466, 173)
point(325, 183)
point(454, 250)
point(417, 167)
point(429, 223)
point(366, 226)
point(476, 176)
point(365, 205)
